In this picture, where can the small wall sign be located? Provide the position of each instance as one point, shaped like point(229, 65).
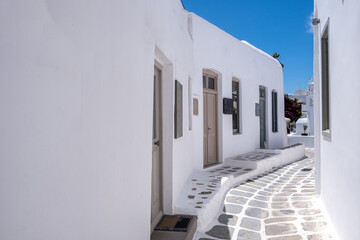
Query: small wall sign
point(228, 107)
point(195, 106)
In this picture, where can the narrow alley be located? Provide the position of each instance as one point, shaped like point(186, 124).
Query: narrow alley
point(279, 205)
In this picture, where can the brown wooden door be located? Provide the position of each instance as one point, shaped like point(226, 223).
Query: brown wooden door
point(210, 120)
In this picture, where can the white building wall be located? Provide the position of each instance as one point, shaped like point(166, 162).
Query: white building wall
point(229, 57)
point(76, 90)
point(76, 82)
point(338, 162)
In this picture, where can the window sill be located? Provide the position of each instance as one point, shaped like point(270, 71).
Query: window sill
point(237, 133)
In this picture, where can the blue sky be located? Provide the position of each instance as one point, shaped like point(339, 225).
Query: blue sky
point(281, 26)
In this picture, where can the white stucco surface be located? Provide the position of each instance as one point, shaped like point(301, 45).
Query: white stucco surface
point(76, 98)
point(204, 191)
point(220, 52)
point(337, 158)
point(307, 140)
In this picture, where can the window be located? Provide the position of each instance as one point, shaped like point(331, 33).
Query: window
point(209, 82)
point(325, 81)
point(190, 103)
point(236, 105)
point(274, 111)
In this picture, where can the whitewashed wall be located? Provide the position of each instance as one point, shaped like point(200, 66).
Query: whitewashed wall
point(229, 57)
point(338, 164)
point(76, 82)
point(76, 90)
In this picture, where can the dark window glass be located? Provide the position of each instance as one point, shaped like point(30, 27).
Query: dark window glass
point(274, 112)
point(204, 82)
point(211, 83)
point(325, 81)
point(235, 97)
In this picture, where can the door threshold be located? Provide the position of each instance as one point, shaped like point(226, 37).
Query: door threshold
point(207, 167)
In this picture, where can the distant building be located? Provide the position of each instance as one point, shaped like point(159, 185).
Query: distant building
point(306, 98)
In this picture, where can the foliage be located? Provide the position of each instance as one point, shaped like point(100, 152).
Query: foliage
point(277, 57)
point(292, 108)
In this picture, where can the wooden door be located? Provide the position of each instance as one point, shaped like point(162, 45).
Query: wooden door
point(210, 120)
point(156, 181)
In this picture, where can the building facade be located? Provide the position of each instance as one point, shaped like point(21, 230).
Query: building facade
point(336, 71)
point(108, 106)
point(306, 98)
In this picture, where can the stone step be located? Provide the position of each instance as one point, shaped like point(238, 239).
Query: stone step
point(166, 233)
point(204, 192)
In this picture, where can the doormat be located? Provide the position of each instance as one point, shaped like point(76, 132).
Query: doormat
point(174, 223)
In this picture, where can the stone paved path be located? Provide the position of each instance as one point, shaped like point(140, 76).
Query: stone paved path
point(279, 205)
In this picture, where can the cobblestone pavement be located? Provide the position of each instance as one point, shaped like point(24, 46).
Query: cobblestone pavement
point(279, 205)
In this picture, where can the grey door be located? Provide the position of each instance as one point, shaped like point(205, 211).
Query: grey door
point(262, 116)
point(156, 181)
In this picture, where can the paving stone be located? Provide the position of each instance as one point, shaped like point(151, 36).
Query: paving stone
point(248, 235)
point(282, 212)
point(222, 232)
point(238, 200)
point(262, 198)
point(308, 191)
point(309, 211)
point(314, 226)
point(314, 218)
point(242, 194)
point(251, 224)
point(282, 194)
point(256, 213)
point(287, 190)
point(258, 183)
point(280, 229)
point(300, 198)
point(256, 203)
point(228, 219)
point(293, 237)
point(279, 199)
point(319, 237)
point(247, 189)
point(265, 193)
point(280, 219)
point(234, 209)
point(302, 195)
point(280, 205)
point(205, 193)
point(302, 204)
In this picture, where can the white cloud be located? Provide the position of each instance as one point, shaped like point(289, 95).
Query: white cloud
point(309, 26)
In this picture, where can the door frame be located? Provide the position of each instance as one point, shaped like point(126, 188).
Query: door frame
point(161, 61)
point(209, 73)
